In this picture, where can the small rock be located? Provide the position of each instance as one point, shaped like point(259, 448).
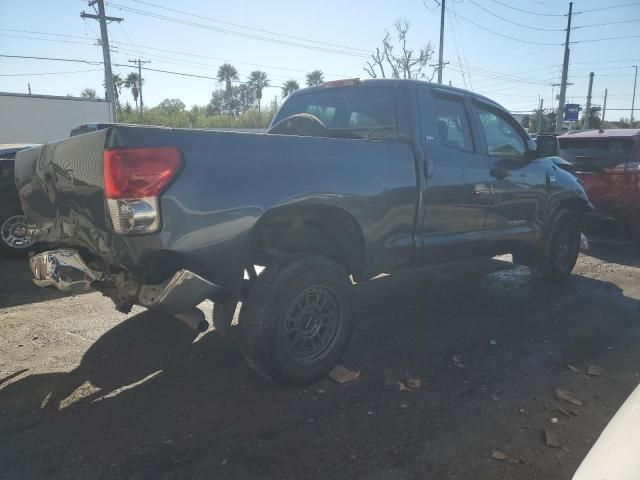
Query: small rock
point(402, 405)
point(522, 410)
point(413, 382)
point(343, 375)
point(492, 342)
point(567, 396)
point(551, 439)
point(369, 413)
point(554, 420)
point(497, 455)
point(594, 371)
point(457, 361)
point(35, 338)
point(574, 369)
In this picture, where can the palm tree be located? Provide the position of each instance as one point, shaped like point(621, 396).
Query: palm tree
point(315, 78)
point(257, 81)
point(226, 74)
point(118, 83)
point(132, 81)
point(289, 87)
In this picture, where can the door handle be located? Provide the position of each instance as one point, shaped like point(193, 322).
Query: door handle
point(499, 172)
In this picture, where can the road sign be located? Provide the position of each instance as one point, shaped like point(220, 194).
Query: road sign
point(571, 111)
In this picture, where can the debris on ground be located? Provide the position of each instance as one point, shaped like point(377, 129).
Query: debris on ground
point(395, 385)
point(562, 411)
point(498, 455)
point(495, 398)
point(574, 369)
point(413, 383)
point(554, 420)
point(457, 361)
point(320, 391)
point(403, 405)
point(342, 374)
point(551, 438)
point(492, 342)
point(594, 371)
point(567, 396)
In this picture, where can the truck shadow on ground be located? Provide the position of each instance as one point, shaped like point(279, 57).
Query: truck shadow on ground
point(16, 287)
point(146, 401)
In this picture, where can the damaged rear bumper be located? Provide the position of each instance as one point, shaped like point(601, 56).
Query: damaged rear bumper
point(67, 271)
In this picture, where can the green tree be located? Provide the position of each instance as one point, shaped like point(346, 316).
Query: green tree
point(227, 73)
point(88, 93)
point(171, 106)
point(132, 82)
point(289, 87)
point(258, 81)
point(315, 78)
point(240, 99)
point(594, 119)
point(118, 83)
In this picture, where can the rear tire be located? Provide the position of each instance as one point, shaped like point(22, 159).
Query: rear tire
point(559, 248)
point(295, 324)
point(13, 235)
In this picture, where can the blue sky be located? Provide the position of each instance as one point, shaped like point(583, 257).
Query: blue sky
point(512, 72)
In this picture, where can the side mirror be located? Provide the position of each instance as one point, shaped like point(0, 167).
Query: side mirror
point(547, 145)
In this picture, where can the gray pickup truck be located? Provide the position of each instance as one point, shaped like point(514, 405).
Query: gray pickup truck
point(353, 179)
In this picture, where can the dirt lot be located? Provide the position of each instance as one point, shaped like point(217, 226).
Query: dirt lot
point(86, 392)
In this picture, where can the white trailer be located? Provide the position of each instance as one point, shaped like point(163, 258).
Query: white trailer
point(44, 118)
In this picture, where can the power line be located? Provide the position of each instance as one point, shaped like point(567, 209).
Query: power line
point(607, 23)
point(529, 12)
point(46, 73)
point(515, 23)
point(88, 62)
point(515, 39)
point(45, 39)
point(249, 28)
point(236, 33)
point(606, 8)
point(606, 38)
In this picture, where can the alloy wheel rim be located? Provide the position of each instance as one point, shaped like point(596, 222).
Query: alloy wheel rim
point(14, 232)
point(566, 247)
point(312, 325)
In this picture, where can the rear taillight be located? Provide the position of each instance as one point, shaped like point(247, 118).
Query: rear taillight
point(133, 179)
point(630, 167)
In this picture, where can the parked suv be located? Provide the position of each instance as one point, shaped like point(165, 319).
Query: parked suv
point(608, 164)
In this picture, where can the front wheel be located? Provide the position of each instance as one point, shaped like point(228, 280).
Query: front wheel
point(296, 321)
point(559, 249)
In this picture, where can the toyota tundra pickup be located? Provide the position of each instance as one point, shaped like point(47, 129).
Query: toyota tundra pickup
point(353, 179)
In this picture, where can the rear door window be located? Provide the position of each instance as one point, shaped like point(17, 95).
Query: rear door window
point(594, 154)
point(452, 123)
point(349, 112)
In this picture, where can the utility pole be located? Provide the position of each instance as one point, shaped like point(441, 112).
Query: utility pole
point(604, 106)
point(633, 97)
point(440, 65)
point(565, 71)
point(103, 19)
point(587, 118)
point(539, 121)
point(140, 62)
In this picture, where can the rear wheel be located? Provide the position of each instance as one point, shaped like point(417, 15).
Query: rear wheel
point(559, 249)
point(296, 321)
point(14, 241)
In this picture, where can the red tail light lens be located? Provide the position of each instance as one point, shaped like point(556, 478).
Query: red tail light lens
point(139, 172)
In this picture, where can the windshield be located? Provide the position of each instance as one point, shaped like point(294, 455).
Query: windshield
point(355, 112)
point(593, 154)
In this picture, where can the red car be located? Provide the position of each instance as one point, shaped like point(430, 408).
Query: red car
point(608, 164)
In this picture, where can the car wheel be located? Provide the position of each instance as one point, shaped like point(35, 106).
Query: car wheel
point(295, 323)
point(559, 249)
point(14, 241)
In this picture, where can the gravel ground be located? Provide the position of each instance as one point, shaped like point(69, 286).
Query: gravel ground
point(86, 392)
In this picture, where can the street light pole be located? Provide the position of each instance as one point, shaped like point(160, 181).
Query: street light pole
point(633, 98)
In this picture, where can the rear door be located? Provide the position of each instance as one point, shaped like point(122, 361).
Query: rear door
point(457, 178)
point(518, 183)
